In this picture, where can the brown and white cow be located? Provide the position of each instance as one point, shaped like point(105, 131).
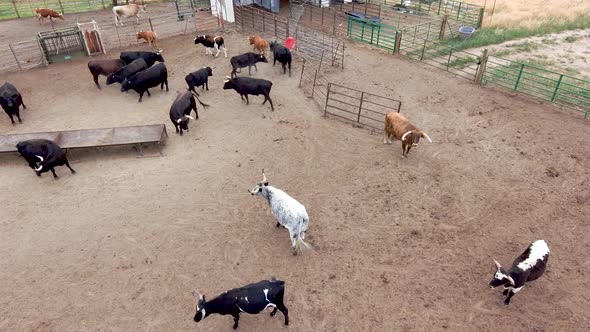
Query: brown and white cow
point(47, 13)
point(127, 11)
point(398, 127)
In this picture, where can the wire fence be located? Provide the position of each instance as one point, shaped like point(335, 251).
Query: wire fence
point(37, 52)
point(11, 9)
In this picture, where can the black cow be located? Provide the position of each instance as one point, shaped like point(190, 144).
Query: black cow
point(149, 57)
point(250, 86)
point(43, 155)
point(10, 99)
point(199, 78)
point(131, 69)
point(180, 111)
point(104, 67)
point(281, 53)
point(149, 78)
point(245, 60)
point(250, 299)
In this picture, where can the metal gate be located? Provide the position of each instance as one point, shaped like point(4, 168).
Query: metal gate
point(62, 44)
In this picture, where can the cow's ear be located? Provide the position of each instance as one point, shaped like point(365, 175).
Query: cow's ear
point(265, 183)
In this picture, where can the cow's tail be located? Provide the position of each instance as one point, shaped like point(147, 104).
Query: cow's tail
point(301, 245)
point(200, 102)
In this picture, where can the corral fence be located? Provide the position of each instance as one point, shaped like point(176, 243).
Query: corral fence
point(312, 44)
point(62, 44)
point(362, 108)
point(11, 9)
point(358, 106)
point(557, 88)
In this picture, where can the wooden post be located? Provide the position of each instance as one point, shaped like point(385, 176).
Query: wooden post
point(15, 57)
point(481, 68)
point(103, 5)
point(439, 4)
point(276, 33)
point(323, 16)
point(242, 16)
point(443, 27)
point(480, 23)
point(459, 11)
point(61, 6)
point(327, 98)
point(366, 4)
point(358, 119)
point(423, 49)
point(15, 8)
point(449, 60)
point(398, 42)
point(151, 26)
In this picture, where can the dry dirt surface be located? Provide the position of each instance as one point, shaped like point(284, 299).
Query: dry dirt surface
point(398, 244)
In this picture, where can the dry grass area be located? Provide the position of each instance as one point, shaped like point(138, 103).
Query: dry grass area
point(531, 13)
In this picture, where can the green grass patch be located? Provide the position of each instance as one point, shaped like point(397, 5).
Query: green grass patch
point(495, 35)
point(571, 39)
point(502, 53)
point(549, 41)
point(524, 47)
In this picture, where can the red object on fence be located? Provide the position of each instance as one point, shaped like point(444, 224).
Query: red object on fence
point(290, 43)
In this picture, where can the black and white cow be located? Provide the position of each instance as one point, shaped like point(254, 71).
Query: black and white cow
point(245, 60)
point(129, 70)
point(199, 78)
point(250, 299)
point(149, 57)
point(43, 155)
point(245, 86)
point(180, 111)
point(148, 78)
point(282, 54)
point(529, 266)
point(11, 99)
point(211, 42)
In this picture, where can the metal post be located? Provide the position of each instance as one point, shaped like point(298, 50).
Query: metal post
point(443, 27)
point(423, 49)
point(61, 6)
point(103, 5)
point(151, 26)
point(358, 119)
point(459, 11)
point(276, 33)
point(323, 16)
point(321, 60)
point(334, 25)
point(519, 75)
point(557, 88)
point(15, 9)
point(439, 4)
point(398, 42)
point(327, 98)
point(480, 23)
point(449, 60)
point(366, 4)
point(315, 77)
point(15, 57)
point(263, 24)
point(302, 69)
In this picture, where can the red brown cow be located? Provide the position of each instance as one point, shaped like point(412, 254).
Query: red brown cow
point(149, 36)
point(47, 13)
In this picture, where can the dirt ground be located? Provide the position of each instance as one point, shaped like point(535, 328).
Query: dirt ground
point(398, 244)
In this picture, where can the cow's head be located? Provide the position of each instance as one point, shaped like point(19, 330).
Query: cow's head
point(261, 58)
point(201, 313)
point(139, 34)
point(183, 121)
point(412, 137)
point(228, 83)
point(501, 277)
point(259, 185)
point(158, 56)
point(209, 71)
point(111, 78)
point(9, 103)
point(273, 44)
point(200, 39)
point(143, 8)
point(252, 39)
point(127, 85)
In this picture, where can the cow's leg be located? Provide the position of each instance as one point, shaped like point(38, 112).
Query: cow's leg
point(255, 67)
point(403, 149)
point(18, 115)
point(11, 119)
point(250, 70)
point(274, 312)
point(278, 224)
point(191, 88)
point(242, 97)
point(408, 150)
point(176, 126)
point(507, 300)
point(68, 165)
point(96, 81)
point(284, 310)
point(53, 171)
point(267, 97)
point(224, 52)
point(505, 292)
point(180, 130)
point(289, 68)
point(274, 61)
point(207, 85)
point(247, 101)
point(148, 92)
point(216, 48)
point(385, 136)
point(140, 96)
point(137, 19)
point(284, 68)
point(166, 81)
point(236, 319)
point(293, 242)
